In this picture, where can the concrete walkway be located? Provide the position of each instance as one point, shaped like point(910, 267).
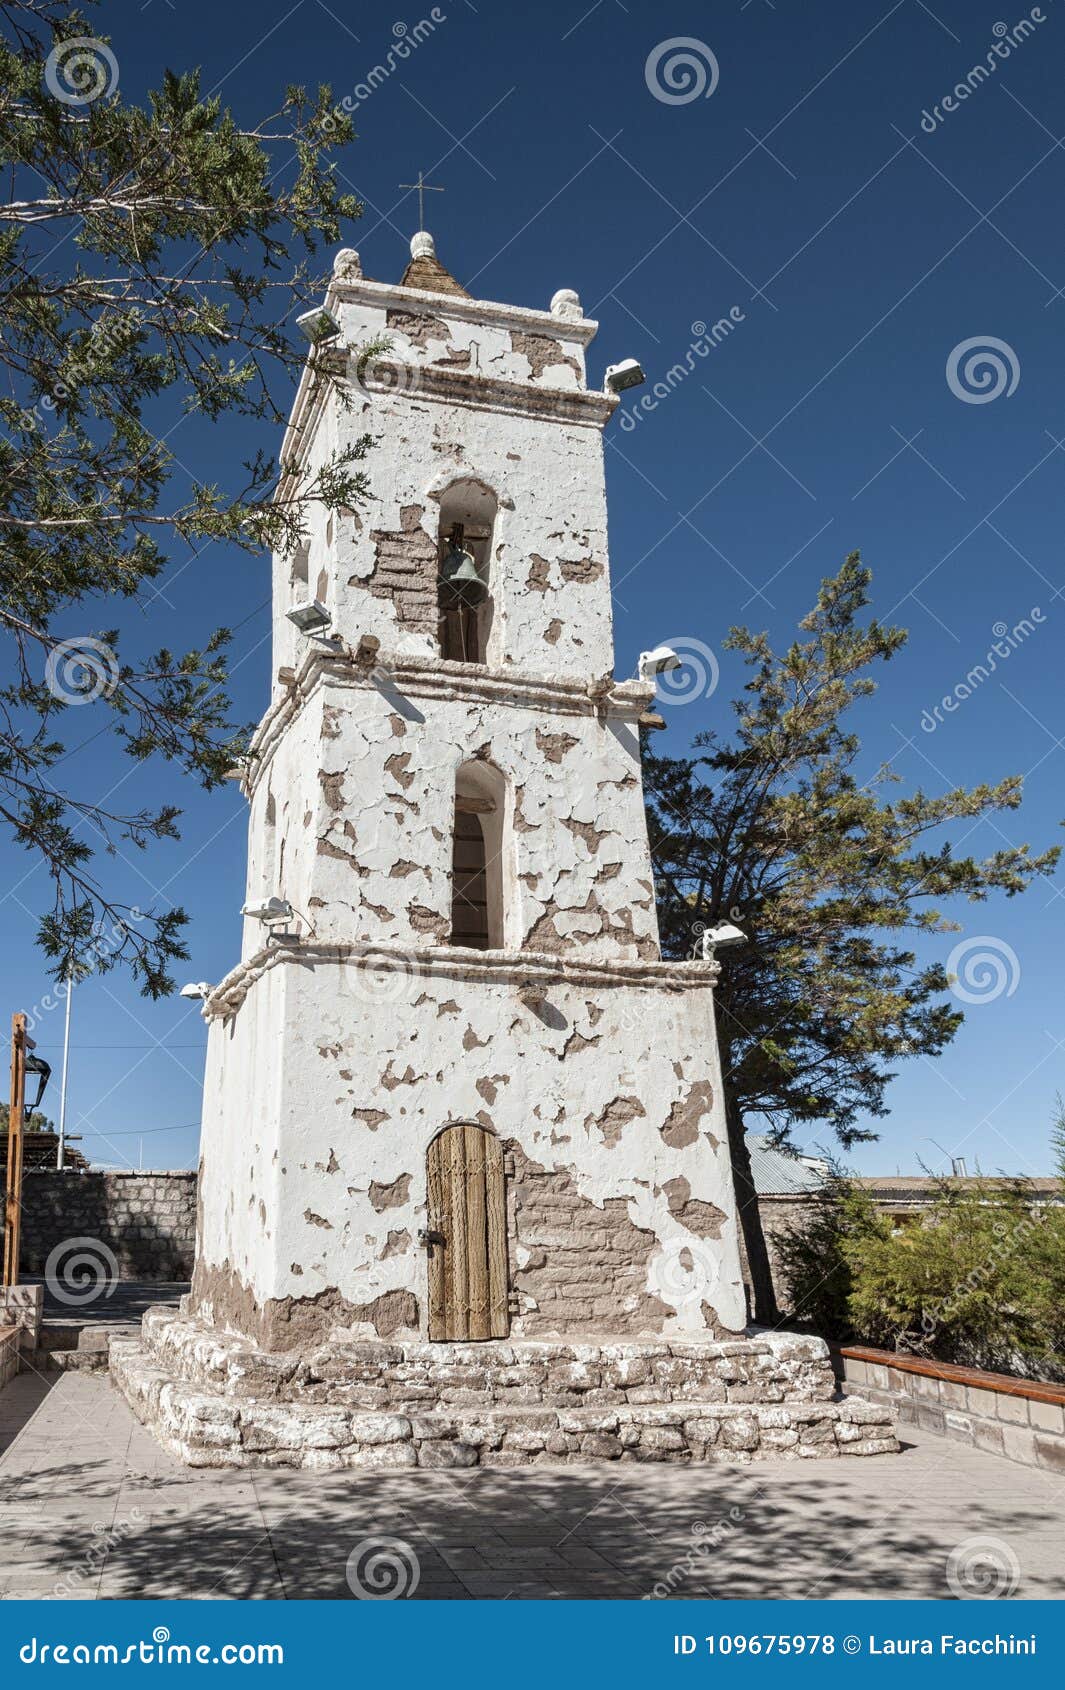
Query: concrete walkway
point(91, 1507)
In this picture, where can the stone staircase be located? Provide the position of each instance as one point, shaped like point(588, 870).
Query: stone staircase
point(214, 1400)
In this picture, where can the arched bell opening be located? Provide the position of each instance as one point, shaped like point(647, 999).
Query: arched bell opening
point(478, 890)
point(466, 1236)
point(464, 599)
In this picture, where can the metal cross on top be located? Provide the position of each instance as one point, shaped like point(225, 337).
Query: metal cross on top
point(423, 188)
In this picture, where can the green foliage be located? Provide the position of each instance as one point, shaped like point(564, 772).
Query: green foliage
point(772, 828)
point(977, 1278)
point(153, 260)
point(814, 1256)
point(34, 1122)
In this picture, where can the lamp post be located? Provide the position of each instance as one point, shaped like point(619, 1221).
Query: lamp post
point(61, 1146)
point(22, 1063)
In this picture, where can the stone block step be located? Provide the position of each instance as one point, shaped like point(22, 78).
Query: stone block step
point(207, 1429)
point(416, 1377)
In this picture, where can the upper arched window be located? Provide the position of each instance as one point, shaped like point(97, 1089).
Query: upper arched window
point(467, 520)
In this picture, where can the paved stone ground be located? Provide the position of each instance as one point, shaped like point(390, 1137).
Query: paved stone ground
point(91, 1507)
point(113, 1301)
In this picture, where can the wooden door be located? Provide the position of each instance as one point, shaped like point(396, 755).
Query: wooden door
point(467, 1236)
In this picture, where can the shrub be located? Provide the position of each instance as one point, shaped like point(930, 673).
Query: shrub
point(978, 1278)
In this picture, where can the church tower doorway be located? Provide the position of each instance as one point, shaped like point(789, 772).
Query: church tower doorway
point(466, 1236)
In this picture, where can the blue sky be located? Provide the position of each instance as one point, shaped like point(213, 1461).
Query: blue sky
point(857, 251)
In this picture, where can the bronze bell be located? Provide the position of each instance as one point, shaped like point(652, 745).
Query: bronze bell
point(458, 571)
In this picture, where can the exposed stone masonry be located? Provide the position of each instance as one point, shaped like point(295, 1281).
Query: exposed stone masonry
point(216, 1401)
point(146, 1220)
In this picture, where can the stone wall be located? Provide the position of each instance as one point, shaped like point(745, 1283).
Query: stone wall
point(216, 1401)
point(144, 1222)
point(1021, 1419)
point(8, 1354)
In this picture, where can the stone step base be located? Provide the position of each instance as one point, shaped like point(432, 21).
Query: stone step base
point(79, 1349)
point(419, 1377)
point(205, 1429)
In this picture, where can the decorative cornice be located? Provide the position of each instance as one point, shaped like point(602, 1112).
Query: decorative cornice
point(476, 390)
point(453, 962)
point(390, 296)
point(438, 679)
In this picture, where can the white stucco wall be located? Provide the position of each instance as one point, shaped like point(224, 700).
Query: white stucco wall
point(360, 782)
point(615, 1082)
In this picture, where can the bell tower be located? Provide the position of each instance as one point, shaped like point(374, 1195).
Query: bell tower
point(458, 1094)
point(465, 1194)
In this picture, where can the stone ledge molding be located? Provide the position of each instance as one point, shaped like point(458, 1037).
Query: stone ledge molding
point(438, 679)
point(455, 962)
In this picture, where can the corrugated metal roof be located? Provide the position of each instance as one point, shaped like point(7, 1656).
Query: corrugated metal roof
point(776, 1173)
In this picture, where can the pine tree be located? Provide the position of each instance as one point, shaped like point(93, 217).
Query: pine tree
point(773, 829)
point(153, 259)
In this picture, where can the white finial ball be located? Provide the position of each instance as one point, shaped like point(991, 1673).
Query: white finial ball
point(567, 304)
point(422, 245)
point(347, 264)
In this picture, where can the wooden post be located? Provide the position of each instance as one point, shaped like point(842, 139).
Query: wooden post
point(13, 1195)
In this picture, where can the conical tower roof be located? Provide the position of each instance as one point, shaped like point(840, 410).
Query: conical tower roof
point(426, 271)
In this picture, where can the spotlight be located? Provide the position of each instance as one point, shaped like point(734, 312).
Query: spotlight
point(310, 616)
point(196, 989)
point(721, 938)
point(629, 373)
point(318, 325)
point(268, 910)
point(657, 662)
